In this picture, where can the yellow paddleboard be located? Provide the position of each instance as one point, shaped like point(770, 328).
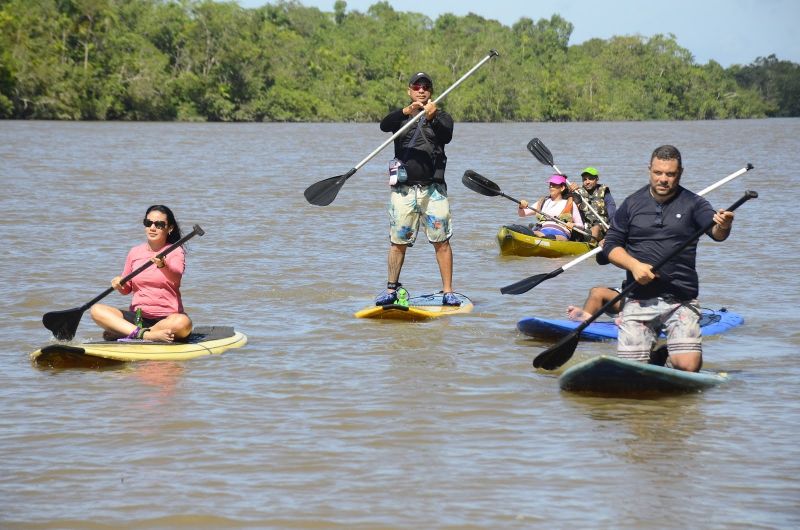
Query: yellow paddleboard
point(208, 340)
point(423, 307)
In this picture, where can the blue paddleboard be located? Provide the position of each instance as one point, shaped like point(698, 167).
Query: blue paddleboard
point(712, 322)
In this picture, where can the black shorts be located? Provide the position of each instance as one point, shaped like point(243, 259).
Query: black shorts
point(130, 316)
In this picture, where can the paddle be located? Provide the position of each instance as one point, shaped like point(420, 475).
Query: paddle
point(556, 355)
point(523, 286)
point(323, 193)
point(543, 155)
point(480, 184)
point(64, 323)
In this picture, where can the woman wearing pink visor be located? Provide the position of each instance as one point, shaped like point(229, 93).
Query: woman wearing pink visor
point(560, 205)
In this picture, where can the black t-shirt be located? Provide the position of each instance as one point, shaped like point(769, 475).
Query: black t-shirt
point(649, 230)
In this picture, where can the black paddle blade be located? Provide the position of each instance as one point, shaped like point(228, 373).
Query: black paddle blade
point(540, 151)
point(556, 355)
point(323, 193)
point(523, 286)
point(480, 184)
point(63, 324)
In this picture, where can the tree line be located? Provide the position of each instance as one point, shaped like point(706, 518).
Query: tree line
point(204, 60)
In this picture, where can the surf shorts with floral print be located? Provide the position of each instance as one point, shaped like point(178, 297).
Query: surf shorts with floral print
point(421, 206)
point(641, 321)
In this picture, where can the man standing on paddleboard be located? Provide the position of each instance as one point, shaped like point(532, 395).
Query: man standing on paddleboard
point(418, 190)
point(649, 225)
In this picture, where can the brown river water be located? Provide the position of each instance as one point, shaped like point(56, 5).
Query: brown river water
point(328, 421)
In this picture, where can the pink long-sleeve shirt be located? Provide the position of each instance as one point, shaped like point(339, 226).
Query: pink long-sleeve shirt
point(156, 291)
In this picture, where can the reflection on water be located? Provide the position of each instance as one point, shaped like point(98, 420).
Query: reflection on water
point(163, 377)
point(648, 430)
point(327, 421)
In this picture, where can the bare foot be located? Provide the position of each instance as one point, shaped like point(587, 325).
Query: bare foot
point(159, 335)
point(577, 313)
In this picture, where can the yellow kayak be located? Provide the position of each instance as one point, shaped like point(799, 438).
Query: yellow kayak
point(423, 307)
point(517, 243)
point(209, 340)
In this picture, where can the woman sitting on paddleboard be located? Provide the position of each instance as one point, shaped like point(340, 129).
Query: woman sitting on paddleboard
point(560, 205)
point(156, 310)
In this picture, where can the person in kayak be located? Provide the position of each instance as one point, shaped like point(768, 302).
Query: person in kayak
point(649, 224)
point(599, 197)
point(558, 204)
point(418, 190)
point(156, 310)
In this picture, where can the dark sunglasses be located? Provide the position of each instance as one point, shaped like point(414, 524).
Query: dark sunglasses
point(426, 88)
point(161, 225)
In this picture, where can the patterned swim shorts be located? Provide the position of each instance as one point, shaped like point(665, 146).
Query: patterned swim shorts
point(641, 321)
point(411, 205)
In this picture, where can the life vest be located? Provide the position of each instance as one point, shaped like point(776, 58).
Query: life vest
point(423, 138)
point(597, 199)
point(566, 213)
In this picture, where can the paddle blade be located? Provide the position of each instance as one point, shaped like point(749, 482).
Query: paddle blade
point(480, 184)
point(540, 151)
point(556, 355)
point(523, 286)
point(323, 193)
point(63, 324)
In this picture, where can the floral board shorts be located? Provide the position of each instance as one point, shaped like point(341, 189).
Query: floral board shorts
point(641, 321)
point(410, 206)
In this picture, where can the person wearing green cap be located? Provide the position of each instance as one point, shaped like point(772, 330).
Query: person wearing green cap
point(599, 197)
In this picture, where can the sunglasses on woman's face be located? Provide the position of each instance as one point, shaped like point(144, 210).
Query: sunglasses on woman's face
point(161, 225)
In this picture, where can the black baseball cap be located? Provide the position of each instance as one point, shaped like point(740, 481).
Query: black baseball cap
point(420, 75)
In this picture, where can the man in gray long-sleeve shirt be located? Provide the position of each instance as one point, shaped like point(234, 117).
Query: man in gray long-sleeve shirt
point(648, 225)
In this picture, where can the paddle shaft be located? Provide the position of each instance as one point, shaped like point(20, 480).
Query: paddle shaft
point(196, 231)
point(529, 283)
point(416, 118)
point(730, 177)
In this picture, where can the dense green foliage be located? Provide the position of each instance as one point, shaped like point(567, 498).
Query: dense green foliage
point(206, 60)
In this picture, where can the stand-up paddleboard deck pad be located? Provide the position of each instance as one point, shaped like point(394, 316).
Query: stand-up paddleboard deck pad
point(423, 307)
point(204, 340)
point(613, 376)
